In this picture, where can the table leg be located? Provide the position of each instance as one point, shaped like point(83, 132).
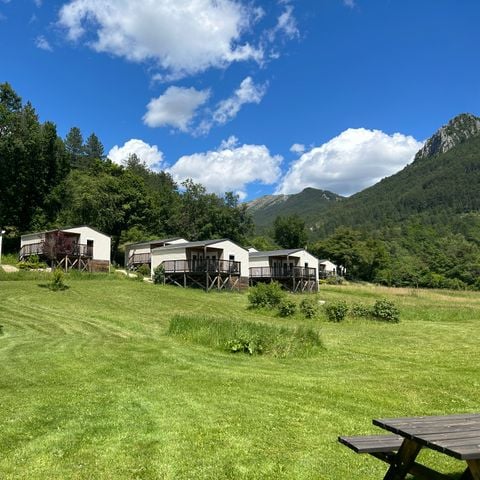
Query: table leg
point(403, 460)
point(474, 468)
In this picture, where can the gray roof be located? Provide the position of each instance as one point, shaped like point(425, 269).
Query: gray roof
point(151, 242)
point(276, 253)
point(64, 229)
point(200, 243)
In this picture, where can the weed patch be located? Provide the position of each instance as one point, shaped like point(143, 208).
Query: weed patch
point(246, 337)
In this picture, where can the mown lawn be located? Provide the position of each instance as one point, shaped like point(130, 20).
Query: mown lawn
point(92, 387)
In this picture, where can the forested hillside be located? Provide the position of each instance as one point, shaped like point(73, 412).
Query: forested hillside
point(419, 227)
point(308, 204)
point(49, 182)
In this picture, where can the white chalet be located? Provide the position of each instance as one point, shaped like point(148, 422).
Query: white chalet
point(218, 264)
point(83, 248)
point(295, 269)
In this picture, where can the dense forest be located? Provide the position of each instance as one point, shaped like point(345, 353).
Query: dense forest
point(419, 227)
point(49, 182)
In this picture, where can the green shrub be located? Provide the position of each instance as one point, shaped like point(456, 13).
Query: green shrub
point(334, 280)
point(9, 259)
point(236, 336)
point(245, 342)
point(143, 270)
point(309, 307)
point(336, 311)
point(159, 274)
point(386, 310)
point(33, 263)
point(287, 308)
point(58, 280)
point(360, 310)
point(268, 295)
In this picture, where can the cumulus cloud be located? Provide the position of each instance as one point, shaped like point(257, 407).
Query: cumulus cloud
point(181, 36)
point(42, 43)
point(176, 107)
point(229, 168)
point(350, 162)
point(149, 154)
point(297, 148)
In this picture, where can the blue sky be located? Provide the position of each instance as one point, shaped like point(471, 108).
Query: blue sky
point(252, 96)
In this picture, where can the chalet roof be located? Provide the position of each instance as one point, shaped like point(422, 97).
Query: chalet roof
point(276, 253)
point(66, 229)
point(200, 243)
point(152, 242)
point(43, 232)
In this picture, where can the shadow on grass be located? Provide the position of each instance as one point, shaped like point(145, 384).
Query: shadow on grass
point(52, 288)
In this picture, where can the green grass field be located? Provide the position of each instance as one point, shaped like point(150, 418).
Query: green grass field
point(93, 387)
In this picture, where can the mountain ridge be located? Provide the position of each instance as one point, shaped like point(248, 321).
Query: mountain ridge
point(438, 178)
point(306, 204)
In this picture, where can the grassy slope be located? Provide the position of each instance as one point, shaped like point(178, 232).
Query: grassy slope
point(91, 387)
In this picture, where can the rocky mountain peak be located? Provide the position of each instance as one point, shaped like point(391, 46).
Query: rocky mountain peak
point(457, 130)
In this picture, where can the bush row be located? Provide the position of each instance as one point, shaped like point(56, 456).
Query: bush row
point(382, 309)
point(271, 296)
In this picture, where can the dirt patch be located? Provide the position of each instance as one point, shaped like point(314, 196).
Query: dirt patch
point(9, 268)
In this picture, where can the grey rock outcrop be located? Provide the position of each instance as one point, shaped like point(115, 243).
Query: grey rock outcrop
point(458, 130)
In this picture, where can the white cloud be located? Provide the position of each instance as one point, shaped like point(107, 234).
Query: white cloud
point(176, 107)
point(181, 36)
point(297, 148)
point(38, 3)
point(248, 92)
point(145, 152)
point(350, 3)
point(42, 43)
point(286, 24)
point(350, 162)
point(230, 167)
point(226, 110)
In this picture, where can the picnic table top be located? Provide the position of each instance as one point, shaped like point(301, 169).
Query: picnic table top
point(454, 435)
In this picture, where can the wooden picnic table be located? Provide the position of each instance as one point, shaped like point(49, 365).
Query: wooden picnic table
point(455, 435)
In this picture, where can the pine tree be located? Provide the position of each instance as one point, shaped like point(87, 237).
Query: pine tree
point(93, 148)
point(75, 148)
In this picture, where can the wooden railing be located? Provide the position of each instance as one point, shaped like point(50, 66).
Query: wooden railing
point(202, 266)
point(31, 249)
point(139, 259)
point(289, 272)
point(44, 249)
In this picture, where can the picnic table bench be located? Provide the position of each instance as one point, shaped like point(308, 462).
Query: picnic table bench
point(455, 435)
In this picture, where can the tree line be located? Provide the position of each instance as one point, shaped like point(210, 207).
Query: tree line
point(425, 234)
point(49, 182)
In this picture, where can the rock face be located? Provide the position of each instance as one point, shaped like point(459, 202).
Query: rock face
point(457, 131)
point(266, 201)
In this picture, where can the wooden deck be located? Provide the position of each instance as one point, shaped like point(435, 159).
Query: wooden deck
point(43, 249)
point(71, 256)
point(205, 274)
point(137, 259)
point(296, 279)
